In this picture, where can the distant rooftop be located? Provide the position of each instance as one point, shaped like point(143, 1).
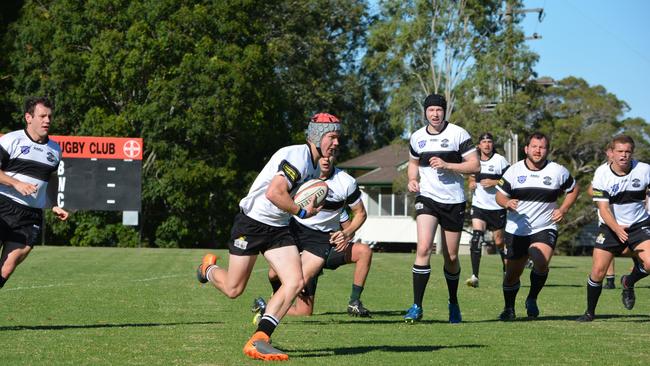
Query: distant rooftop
point(379, 167)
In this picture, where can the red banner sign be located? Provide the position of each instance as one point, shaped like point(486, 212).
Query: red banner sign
point(100, 147)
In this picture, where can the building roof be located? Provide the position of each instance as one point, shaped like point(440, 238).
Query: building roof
point(379, 167)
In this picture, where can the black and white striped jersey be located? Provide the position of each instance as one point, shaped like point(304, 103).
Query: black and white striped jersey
point(626, 194)
point(451, 145)
point(296, 165)
point(493, 168)
point(28, 161)
point(342, 192)
point(537, 192)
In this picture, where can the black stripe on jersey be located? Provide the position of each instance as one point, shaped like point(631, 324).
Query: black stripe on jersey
point(333, 205)
point(354, 196)
point(627, 197)
point(446, 156)
point(290, 172)
point(481, 176)
point(567, 184)
point(505, 185)
point(413, 152)
point(4, 158)
point(466, 146)
point(30, 168)
point(536, 194)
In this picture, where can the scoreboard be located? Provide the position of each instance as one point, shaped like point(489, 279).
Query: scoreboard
point(98, 173)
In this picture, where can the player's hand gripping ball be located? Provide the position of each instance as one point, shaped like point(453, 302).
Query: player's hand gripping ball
point(308, 190)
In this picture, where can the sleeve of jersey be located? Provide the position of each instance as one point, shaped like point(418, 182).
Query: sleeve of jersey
point(354, 197)
point(569, 183)
point(4, 157)
point(344, 216)
point(412, 152)
point(504, 186)
point(467, 146)
point(292, 173)
point(599, 192)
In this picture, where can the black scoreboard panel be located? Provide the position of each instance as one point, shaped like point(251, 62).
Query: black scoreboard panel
point(97, 184)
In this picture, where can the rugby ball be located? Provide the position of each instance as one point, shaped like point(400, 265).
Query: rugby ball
point(309, 189)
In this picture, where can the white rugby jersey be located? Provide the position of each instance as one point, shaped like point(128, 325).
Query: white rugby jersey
point(28, 161)
point(293, 162)
point(537, 192)
point(342, 191)
point(493, 168)
point(625, 193)
point(451, 145)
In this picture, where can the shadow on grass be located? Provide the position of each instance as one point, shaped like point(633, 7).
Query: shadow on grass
point(346, 351)
point(636, 318)
point(93, 326)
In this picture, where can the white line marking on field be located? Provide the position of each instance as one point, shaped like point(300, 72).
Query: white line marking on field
point(158, 278)
point(37, 287)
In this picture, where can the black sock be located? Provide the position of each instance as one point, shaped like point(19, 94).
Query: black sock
point(510, 294)
point(275, 284)
point(475, 251)
point(610, 279)
point(267, 324)
point(421, 276)
point(356, 292)
point(593, 294)
point(2, 281)
point(452, 285)
point(637, 274)
point(537, 281)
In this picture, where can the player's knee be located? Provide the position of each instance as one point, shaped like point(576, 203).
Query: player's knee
point(364, 253)
point(598, 274)
point(475, 242)
point(233, 293)
point(294, 287)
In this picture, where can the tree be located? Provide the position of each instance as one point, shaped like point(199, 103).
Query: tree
point(213, 88)
point(420, 47)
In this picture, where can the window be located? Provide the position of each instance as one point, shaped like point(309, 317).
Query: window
point(383, 202)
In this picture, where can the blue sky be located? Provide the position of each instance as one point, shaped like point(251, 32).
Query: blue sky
point(604, 42)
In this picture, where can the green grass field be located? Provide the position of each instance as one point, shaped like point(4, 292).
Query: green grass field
point(105, 306)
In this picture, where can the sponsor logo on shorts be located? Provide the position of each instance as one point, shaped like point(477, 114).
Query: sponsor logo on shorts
point(600, 238)
point(241, 243)
point(419, 206)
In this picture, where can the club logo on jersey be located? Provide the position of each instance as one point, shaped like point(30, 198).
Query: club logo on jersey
point(422, 144)
point(24, 150)
point(547, 180)
point(636, 183)
point(491, 168)
point(50, 157)
point(240, 243)
point(521, 179)
point(444, 143)
point(615, 188)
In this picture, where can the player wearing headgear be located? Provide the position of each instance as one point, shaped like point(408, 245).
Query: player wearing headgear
point(262, 226)
point(440, 153)
point(485, 212)
point(529, 190)
point(27, 160)
point(619, 190)
point(324, 240)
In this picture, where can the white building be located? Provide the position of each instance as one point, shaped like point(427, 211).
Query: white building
point(391, 213)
